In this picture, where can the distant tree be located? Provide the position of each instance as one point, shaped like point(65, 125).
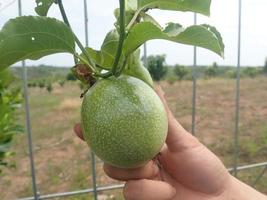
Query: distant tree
point(41, 84)
point(171, 78)
point(212, 71)
point(34, 84)
point(71, 77)
point(180, 71)
point(61, 83)
point(250, 72)
point(231, 73)
point(49, 87)
point(156, 66)
point(265, 66)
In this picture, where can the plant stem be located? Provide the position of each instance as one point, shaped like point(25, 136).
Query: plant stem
point(122, 68)
point(122, 37)
point(113, 70)
point(65, 18)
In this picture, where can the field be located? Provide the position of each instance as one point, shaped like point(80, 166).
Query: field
point(63, 161)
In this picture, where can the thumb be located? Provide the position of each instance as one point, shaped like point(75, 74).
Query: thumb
point(178, 138)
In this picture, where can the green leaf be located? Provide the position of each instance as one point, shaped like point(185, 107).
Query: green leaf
point(198, 6)
point(31, 37)
point(43, 6)
point(198, 35)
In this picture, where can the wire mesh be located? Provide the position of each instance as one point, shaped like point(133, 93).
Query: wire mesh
point(96, 188)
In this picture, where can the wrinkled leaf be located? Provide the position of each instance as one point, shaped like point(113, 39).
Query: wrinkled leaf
point(43, 6)
point(197, 35)
point(31, 37)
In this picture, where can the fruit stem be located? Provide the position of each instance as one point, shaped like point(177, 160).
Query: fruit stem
point(65, 18)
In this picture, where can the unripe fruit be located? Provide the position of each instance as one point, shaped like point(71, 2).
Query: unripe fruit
point(124, 121)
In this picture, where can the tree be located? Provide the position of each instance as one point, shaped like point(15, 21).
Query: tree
point(250, 72)
point(49, 87)
point(71, 77)
point(180, 71)
point(41, 84)
point(265, 67)
point(156, 66)
point(61, 83)
point(212, 71)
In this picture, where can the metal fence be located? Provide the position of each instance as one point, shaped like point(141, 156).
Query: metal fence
point(97, 188)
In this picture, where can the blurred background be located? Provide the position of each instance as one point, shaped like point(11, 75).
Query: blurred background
point(63, 162)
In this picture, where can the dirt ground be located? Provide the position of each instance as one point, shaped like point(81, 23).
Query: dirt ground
point(62, 161)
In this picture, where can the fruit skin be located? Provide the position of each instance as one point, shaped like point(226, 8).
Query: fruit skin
point(124, 121)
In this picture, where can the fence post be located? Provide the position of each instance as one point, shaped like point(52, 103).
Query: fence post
point(194, 76)
point(93, 161)
point(28, 120)
point(145, 55)
point(237, 111)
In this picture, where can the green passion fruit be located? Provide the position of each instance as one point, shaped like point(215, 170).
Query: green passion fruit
point(124, 121)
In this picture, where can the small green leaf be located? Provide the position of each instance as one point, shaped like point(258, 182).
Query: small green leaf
point(31, 37)
point(198, 35)
point(43, 6)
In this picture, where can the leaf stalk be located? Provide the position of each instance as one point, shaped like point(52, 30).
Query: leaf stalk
point(65, 19)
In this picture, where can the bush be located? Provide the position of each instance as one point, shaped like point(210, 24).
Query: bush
point(231, 73)
point(265, 67)
point(41, 84)
point(171, 78)
point(180, 72)
point(70, 77)
point(10, 100)
point(61, 83)
point(212, 71)
point(251, 72)
point(49, 87)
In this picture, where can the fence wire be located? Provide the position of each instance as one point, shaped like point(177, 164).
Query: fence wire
point(96, 189)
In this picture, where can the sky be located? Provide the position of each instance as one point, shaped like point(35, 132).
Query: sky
point(224, 16)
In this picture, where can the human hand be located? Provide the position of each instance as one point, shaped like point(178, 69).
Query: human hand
point(183, 170)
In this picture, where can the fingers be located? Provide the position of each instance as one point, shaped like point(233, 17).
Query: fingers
point(150, 170)
point(148, 190)
point(178, 138)
point(78, 130)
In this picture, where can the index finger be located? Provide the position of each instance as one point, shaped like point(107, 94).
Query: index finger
point(78, 130)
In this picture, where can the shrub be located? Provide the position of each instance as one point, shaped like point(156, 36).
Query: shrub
point(171, 78)
point(70, 77)
point(180, 71)
point(212, 71)
point(61, 83)
point(49, 87)
point(41, 84)
point(250, 72)
point(10, 100)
